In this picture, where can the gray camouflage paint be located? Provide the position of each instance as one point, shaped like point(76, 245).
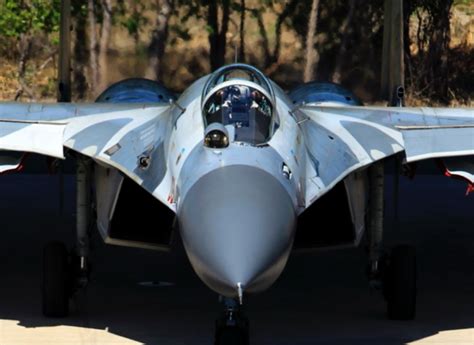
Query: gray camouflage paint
point(237, 224)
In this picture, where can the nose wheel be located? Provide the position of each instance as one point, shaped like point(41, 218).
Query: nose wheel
point(232, 327)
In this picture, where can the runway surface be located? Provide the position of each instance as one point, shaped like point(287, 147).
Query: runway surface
point(321, 298)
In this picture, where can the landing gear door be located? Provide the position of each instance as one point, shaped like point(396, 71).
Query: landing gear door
point(356, 188)
point(108, 182)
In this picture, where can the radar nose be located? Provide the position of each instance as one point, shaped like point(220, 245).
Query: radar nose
point(237, 225)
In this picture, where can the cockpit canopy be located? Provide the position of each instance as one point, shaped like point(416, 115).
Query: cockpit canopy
point(240, 98)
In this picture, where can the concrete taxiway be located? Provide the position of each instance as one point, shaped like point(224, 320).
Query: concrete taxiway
point(321, 298)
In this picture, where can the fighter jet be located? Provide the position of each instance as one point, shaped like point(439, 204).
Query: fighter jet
point(244, 171)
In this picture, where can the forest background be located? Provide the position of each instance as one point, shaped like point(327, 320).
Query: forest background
point(177, 41)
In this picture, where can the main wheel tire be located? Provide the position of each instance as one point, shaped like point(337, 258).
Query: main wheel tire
point(400, 283)
point(56, 280)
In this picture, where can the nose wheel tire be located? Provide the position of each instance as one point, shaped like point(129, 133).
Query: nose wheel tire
point(56, 280)
point(232, 331)
point(400, 283)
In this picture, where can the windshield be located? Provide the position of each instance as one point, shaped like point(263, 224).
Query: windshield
point(237, 72)
point(244, 107)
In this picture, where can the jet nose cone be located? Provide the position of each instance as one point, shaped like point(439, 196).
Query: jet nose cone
point(237, 225)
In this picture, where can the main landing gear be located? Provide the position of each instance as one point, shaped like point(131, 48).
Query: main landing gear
point(66, 273)
point(232, 327)
point(394, 274)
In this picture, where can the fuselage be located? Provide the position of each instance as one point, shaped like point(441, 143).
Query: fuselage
point(229, 160)
point(236, 205)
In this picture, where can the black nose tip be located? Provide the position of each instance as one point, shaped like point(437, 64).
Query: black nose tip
point(237, 225)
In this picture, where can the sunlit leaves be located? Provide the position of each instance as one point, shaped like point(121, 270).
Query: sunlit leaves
point(34, 16)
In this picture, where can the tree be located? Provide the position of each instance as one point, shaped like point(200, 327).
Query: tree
point(218, 31)
point(336, 76)
point(21, 21)
point(272, 56)
point(242, 10)
point(104, 41)
point(159, 36)
point(312, 56)
point(93, 62)
point(99, 16)
point(427, 71)
point(80, 50)
point(132, 19)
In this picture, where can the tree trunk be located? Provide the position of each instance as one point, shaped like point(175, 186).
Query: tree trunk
point(213, 24)
point(407, 10)
point(80, 55)
point(265, 44)
point(222, 47)
point(312, 55)
point(156, 49)
point(242, 31)
point(24, 48)
point(336, 76)
point(393, 68)
point(64, 63)
point(289, 8)
point(217, 34)
point(104, 43)
point(272, 56)
point(94, 70)
point(439, 49)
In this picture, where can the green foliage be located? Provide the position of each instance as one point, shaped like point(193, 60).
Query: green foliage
point(133, 23)
point(191, 8)
point(28, 17)
point(463, 2)
point(130, 15)
point(78, 8)
point(180, 32)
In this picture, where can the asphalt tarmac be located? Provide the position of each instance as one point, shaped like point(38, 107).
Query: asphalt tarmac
point(321, 298)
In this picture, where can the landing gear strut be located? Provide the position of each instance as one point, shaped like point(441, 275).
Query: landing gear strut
point(81, 265)
point(232, 327)
point(394, 274)
point(64, 273)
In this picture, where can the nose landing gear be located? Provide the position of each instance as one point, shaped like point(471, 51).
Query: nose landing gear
point(232, 327)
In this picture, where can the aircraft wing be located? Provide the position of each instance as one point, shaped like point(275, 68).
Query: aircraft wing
point(117, 135)
point(342, 139)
